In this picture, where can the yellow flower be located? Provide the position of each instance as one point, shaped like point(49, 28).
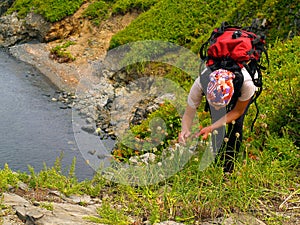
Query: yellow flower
point(233, 122)
point(226, 140)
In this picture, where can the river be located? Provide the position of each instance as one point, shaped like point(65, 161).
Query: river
point(34, 129)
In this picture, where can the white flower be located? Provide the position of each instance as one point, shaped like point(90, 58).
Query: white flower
point(159, 164)
point(226, 140)
point(237, 134)
point(215, 132)
point(158, 128)
point(233, 122)
point(154, 149)
point(264, 125)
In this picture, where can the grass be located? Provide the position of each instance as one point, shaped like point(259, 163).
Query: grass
point(52, 10)
point(258, 186)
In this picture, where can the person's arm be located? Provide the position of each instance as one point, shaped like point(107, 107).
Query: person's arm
point(186, 122)
point(234, 114)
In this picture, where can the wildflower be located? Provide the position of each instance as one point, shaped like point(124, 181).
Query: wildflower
point(98, 130)
point(161, 176)
point(263, 116)
point(196, 159)
point(154, 149)
point(158, 128)
point(264, 125)
point(171, 125)
point(226, 140)
point(162, 143)
point(215, 132)
point(233, 122)
point(237, 134)
point(159, 164)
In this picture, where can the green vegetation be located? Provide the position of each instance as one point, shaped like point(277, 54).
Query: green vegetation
point(124, 6)
point(61, 53)
point(97, 11)
point(189, 22)
point(52, 10)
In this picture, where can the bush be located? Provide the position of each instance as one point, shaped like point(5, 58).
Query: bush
point(52, 10)
point(124, 6)
point(97, 11)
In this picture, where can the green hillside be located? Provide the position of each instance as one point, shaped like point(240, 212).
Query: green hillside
point(189, 22)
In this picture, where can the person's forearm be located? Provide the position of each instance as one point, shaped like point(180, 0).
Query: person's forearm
point(188, 118)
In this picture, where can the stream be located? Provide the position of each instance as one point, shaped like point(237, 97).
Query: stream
point(34, 130)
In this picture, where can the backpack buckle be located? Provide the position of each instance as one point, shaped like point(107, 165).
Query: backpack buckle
point(236, 34)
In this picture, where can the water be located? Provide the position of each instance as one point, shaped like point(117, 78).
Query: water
point(33, 129)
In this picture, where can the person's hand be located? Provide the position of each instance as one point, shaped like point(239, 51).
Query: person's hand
point(205, 132)
point(183, 135)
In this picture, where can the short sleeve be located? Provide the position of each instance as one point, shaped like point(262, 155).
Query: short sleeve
point(248, 88)
point(195, 95)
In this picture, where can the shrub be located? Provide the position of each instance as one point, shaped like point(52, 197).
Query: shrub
point(52, 10)
point(97, 11)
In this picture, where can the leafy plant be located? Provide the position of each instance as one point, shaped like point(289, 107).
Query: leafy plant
point(124, 6)
point(108, 215)
point(61, 54)
point(52, 10)
point(97, 11)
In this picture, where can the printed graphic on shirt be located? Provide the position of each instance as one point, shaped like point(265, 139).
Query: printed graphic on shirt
point(220, 87)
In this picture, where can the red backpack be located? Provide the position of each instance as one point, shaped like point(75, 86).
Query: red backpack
point(232, 48)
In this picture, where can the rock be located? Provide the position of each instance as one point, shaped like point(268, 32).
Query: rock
point(22, 186)
point(36, 26)
point(169, 223)
point(236, 219)
point(11, 30)
point(13, 200)
point(88, 128)
point(4, 5)
point(14, 30)
point(85, 199)
point(62, 213)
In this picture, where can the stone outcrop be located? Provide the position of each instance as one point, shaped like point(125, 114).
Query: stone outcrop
point(21, 211)
point(17, 210)
point(14, 30)
point(4, 5)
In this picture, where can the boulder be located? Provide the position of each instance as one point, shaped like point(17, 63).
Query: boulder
point(4, 5)
point(14, 30)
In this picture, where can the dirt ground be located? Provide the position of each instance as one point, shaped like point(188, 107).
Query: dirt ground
point(91, 42)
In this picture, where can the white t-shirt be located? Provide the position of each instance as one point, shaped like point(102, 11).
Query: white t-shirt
point(247, 90)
